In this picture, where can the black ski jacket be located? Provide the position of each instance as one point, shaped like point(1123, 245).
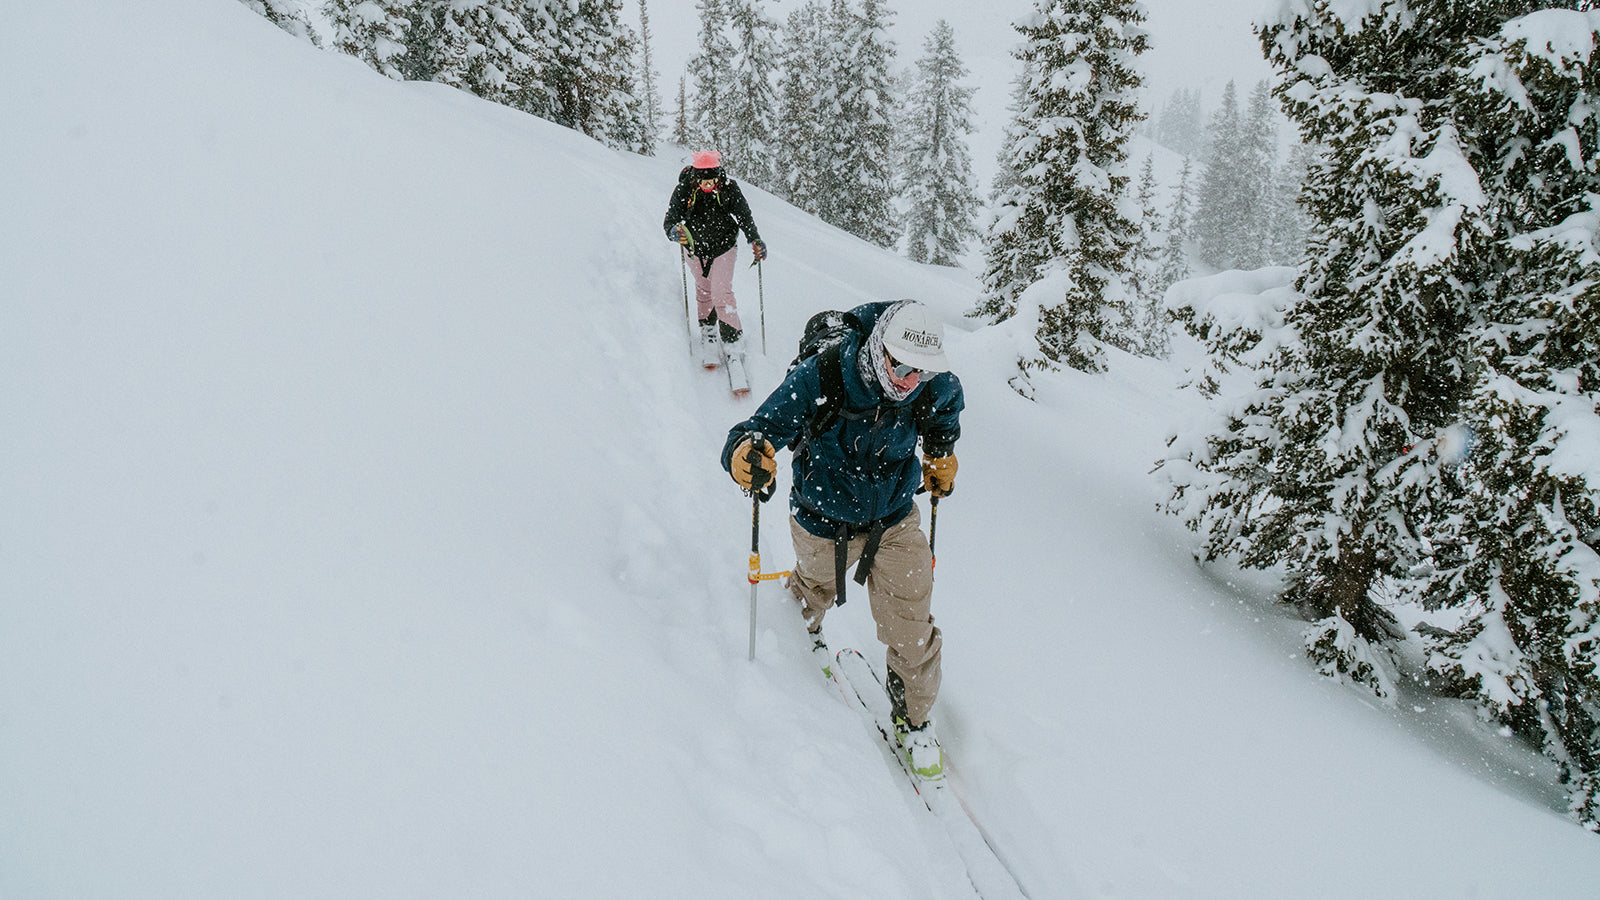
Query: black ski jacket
point(714, 219)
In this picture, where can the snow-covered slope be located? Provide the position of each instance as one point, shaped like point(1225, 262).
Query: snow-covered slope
point(361, 535)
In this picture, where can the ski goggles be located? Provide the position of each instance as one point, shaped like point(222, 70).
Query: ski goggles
point(901, 370)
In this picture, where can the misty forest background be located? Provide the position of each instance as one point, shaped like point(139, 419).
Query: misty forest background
point(1403, 423)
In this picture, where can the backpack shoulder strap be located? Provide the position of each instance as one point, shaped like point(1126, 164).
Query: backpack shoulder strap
point(832, 399)
point(922, 409)
point(829, 403)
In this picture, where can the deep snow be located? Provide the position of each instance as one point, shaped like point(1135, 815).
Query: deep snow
point(362, 535)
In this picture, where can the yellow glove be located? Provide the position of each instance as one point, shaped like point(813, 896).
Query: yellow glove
point(765, 470)
point(939, 475)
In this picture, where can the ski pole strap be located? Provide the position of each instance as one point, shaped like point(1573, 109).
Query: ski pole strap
point(757, 576)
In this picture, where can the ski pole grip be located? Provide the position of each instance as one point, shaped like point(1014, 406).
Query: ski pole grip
point(753, 457)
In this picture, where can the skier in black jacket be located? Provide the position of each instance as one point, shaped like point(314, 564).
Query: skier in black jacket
point(705, 215)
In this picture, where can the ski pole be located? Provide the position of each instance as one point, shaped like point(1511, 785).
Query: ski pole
point(688, 320)
point(933, 534)
point(756, 576)
point(761, 302)
point(754, 459)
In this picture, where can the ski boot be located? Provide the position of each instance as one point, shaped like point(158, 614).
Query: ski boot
point(917, 742)
point(710, 346)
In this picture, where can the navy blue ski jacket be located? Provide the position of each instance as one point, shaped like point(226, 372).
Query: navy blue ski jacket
point(865, 467)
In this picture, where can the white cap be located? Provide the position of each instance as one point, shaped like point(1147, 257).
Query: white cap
point(914, 337)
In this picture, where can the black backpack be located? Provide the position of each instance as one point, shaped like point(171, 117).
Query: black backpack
point(825, 335)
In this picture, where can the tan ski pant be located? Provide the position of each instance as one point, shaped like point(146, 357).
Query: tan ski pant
point(900, 588)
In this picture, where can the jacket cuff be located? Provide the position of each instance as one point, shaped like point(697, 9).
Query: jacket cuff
point(937, 449)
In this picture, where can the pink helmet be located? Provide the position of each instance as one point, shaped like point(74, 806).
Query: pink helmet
point(706, 159)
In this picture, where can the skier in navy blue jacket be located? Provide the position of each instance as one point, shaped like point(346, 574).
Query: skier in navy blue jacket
point(854, 481)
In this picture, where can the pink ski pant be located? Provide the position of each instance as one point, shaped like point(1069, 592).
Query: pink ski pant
point(900, 588)
point(715, 291)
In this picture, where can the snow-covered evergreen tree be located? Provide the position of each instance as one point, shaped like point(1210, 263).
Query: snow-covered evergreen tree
point(373, 31)
point(1238, 191)
point(1286, 219)
point(1006, 175)
point(588, 71)
point(484, 49)
point(1225, 205)
point(711, 74)
point(291, 17)
point(1341, 457)
point(1178, 128)
point(856, 122)
point(649, 84)
point(1063, 220)
point(802, 146)
point(1174, 265)
point(1258, 163)
point(751, 146)
point(1522, 559)
point(938, 186)
point(1011, 263)
point(1145, 327)
point(681, 133)
point(422, 37)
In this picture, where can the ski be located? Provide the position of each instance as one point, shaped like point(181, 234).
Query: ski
point(738, 377)
point(716, 355)
point(710, 357)
point(989, 874)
